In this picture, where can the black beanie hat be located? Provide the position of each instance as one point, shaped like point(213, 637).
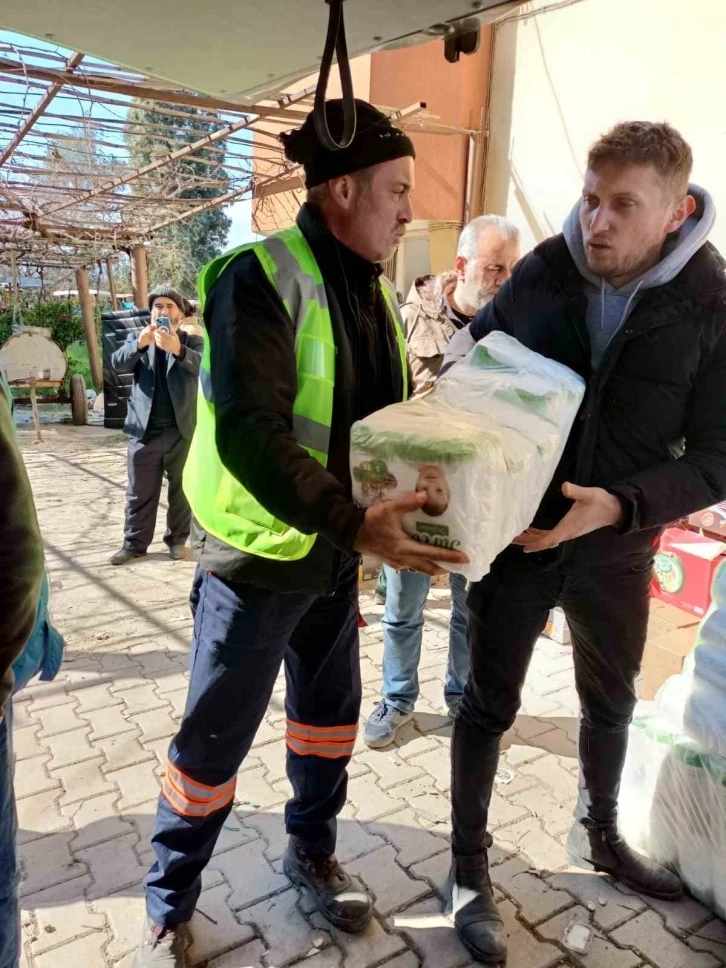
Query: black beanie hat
point(376, 140)
point(166, 292)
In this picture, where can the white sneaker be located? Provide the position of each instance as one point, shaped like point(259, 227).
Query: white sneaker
point(383, 724)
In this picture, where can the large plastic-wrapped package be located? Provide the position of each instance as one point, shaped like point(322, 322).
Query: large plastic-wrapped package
point(705, 710)
point(484, 445)
point(673, 802)
point(673, 791)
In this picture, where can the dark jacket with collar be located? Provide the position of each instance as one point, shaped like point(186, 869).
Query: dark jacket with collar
point(254, 381)
point(652, 427)
point(182, 380)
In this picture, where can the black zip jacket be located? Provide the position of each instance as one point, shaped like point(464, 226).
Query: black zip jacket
point(254, 380)
point(652, 427)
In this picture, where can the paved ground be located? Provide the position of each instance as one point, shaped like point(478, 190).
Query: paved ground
point(91, 749)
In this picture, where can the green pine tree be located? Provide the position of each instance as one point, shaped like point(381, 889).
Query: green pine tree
point(180, 250)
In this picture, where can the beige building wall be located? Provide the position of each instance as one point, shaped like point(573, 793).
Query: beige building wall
point(563, 77)
point(457, 95)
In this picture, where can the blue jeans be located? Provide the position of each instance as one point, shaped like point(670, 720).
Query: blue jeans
point(9, 875)
point(403, 621)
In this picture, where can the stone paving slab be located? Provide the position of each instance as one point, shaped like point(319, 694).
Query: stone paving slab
point(91, 748)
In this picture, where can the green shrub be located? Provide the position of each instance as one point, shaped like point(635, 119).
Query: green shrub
point(63, 319)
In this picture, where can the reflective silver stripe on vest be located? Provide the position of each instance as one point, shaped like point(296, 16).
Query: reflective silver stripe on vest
point(310, 433)
point(205, 382)
point(385, 281)
point(293, 285)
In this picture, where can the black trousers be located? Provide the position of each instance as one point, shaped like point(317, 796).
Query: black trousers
point(148, 461)
point(607, 610)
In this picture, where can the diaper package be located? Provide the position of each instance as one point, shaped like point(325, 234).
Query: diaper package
point(484, 445)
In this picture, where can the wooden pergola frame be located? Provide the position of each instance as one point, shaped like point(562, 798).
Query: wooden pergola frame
point(77, 215)
point(44, 211)
point(74, 217)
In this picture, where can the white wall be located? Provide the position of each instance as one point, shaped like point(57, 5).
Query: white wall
point(565, 76)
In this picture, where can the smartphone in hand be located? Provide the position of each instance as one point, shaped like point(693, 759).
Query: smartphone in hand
point(163, 322)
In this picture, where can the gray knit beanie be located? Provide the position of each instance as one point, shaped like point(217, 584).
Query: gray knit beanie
point(166, 292)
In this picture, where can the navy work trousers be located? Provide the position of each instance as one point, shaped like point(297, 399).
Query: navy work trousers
point(242, 635)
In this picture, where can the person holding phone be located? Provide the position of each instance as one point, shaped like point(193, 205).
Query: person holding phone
point(164, 359)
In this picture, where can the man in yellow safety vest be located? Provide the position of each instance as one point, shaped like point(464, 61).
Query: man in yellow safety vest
point(303, 338)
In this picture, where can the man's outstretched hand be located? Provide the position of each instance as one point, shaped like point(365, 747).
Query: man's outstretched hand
point(382, 535)
point(594, 508)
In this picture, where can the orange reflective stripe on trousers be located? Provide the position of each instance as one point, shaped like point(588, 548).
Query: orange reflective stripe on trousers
point(192, 799)
point(330, 742)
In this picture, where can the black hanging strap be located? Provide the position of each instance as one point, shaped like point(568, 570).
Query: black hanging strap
point(335, 43)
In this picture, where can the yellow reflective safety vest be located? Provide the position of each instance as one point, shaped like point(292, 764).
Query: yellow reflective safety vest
point(222, 506)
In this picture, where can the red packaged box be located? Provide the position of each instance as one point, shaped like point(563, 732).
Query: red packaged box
point(712, 520)
point(684, 569)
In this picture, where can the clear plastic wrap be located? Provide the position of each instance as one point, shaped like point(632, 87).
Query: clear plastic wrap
point(673, 804)
point(705, 711)
point(484, 445)
point(673, 791)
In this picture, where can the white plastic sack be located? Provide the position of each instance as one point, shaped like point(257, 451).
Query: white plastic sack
point(484, 445)
point(705, 709)
point(673, 797)
point(673, 791)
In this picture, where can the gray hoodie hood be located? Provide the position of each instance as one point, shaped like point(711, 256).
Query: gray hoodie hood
point(608, 308)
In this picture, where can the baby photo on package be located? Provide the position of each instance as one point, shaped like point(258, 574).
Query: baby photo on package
point(483, 445)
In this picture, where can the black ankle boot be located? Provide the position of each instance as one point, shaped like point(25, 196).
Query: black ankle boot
point(478, 924)
point(331, 887)
point(602, 849)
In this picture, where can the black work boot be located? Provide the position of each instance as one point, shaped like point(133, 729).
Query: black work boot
point(602, 849)
point(334, 894)
point(125, 555)
point(478, 924)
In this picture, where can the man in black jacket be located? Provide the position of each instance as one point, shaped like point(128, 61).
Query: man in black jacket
point(256, 611)
point(632, 297)
point(160, 422)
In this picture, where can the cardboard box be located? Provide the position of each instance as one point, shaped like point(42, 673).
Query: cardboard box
point(664, 657)
point(712, 520)
point(684, 569)
point(664, 618)
point(557, 628)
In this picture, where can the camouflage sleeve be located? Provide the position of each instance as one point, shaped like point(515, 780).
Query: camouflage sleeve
point(21, 551)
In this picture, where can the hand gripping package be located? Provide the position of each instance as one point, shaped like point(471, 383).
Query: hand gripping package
point(484, 445)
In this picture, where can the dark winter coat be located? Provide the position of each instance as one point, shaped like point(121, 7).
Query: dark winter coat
point(254, 380)
point(652, 428)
